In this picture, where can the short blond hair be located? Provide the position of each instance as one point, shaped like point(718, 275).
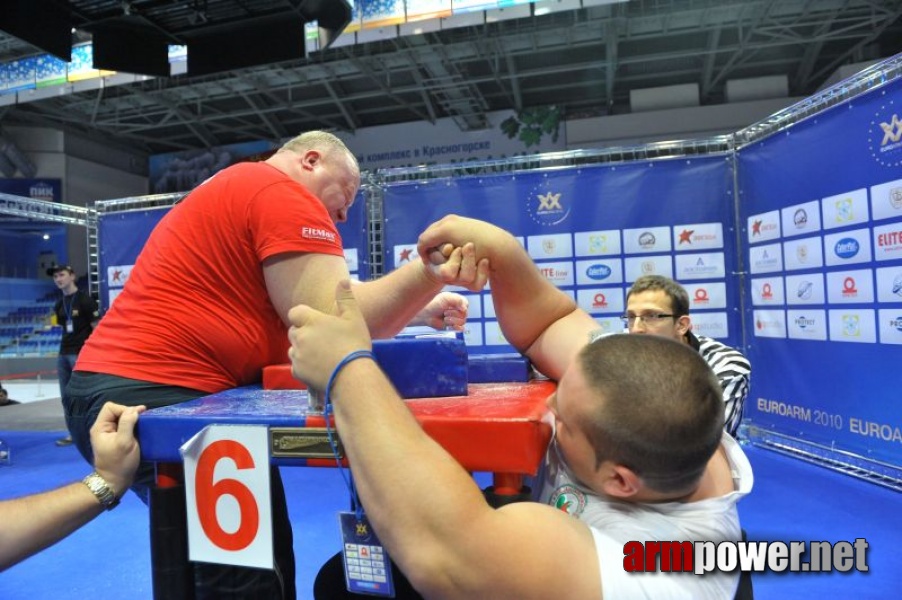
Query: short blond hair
point(318, 140)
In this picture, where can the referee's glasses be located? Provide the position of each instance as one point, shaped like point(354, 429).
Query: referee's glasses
point(650, 319)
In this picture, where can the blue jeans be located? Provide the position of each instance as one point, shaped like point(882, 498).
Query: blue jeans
point(64, 365)
point(88, 392)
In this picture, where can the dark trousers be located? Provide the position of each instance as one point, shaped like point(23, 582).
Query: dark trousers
point(64, 365)
point(87, 394)
point(330, 583)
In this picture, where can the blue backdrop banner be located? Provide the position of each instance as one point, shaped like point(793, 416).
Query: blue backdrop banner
point(120, 238)
point(822, 238)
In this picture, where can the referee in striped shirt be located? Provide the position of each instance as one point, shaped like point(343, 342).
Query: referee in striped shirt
point(658, 305)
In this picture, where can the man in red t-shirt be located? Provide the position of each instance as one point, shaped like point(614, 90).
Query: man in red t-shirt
point(206, 305)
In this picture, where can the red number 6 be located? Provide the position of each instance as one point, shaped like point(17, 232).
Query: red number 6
point(208, 494)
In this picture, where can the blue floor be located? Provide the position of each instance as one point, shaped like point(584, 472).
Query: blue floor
point(109, 558)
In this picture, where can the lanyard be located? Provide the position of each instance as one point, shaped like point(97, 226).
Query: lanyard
point(67, 307)
point(327, 409)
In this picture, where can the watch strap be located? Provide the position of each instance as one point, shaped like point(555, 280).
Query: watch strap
point(101, 490)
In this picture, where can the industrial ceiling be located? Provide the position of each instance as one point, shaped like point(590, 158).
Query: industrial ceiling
point(583, 60)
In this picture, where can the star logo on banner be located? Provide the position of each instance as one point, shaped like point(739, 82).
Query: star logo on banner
point(892, 131)
point(117, 276)
point(405, 255)
point(686, 236)
point(756, 227)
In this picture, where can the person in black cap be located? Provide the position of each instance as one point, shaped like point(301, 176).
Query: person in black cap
point(76, 312)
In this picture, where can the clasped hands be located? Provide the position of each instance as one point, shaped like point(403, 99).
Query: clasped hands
point(319, 341)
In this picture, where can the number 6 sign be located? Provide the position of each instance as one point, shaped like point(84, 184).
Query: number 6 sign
point(228, 496)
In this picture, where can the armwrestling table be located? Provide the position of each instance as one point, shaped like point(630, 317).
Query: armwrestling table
point(499, 428)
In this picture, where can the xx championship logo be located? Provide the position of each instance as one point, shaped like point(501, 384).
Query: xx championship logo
point(885, 135)
point(547, 205)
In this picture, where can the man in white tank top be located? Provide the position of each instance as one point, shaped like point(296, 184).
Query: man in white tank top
point(639, 453)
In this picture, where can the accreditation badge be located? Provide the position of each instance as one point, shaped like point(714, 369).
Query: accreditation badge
point(367, 566)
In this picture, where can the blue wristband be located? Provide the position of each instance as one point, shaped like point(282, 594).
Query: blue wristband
point(327, 401)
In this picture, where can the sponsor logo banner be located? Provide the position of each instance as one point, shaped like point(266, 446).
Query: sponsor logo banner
point(647, 265)
point(769, 323)
point(807, 324)
point(767, 291)
point(559, 245)
point(698, 236)
point(890, 326)
point(597, 243)
point(763, 227)
point(847, 247)
point(710, 324)
point(405, 253)
point(559, 273)
point(599, 272)
point(888, 241)
point(845, 209)
point(803, 254)
point(646, 240)
point(805, 289)
point(849, 287)
point(853, 325)
point(601, 300)
point(766, 259)
point(117, 275)
point(700, 266)
point(889, 284)
point(706, 295)
point(801, 218)
point(886, 200)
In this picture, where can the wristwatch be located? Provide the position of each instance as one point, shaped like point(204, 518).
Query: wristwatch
point(101, 490)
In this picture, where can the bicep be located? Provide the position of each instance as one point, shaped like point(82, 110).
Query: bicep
point(556, 348)
point(303, 278)
point(525, 546)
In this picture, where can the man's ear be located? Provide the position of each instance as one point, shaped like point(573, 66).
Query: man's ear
point(619, 481)
point(684, 324)
point(310, 159)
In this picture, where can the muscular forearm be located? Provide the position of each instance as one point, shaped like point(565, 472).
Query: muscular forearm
point(30, 524)
point(394, 463)
point(537, 318)
point(526, 303)
point(389, 303)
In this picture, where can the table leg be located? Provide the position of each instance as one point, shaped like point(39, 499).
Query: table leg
point(507, 488)
point(173, 574)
